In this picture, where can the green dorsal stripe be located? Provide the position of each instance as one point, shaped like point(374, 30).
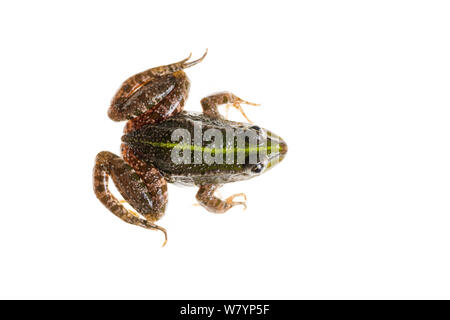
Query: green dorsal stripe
point(171, 145)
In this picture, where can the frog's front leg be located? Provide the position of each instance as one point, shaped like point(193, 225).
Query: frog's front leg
point(211, 103)
point(205, 196)
point(150, 204)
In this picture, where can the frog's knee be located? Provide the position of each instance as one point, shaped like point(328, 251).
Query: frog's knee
point(104, 157)
point(115, 113)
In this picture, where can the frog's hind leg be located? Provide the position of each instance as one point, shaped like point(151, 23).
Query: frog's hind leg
point(146, 89)
point(170, 105)
point(211, 103)
point(206, 198)
point(131, 186)
point(154, 181)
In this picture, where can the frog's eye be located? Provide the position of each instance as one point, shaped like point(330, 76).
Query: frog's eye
point(255, 128)
point(258, 168)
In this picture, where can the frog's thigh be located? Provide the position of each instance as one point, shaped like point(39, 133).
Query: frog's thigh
point(129, 184)
point(156, 185)
point(148, 95)
point(170, 105)
point(205, 196)
point(146, 89)
point(211, 103)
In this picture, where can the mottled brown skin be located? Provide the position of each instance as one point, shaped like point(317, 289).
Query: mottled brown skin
point(131, 186)
point(145, 99)
point(126, 105)
point(171, 104)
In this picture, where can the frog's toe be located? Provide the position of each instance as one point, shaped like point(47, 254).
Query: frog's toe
point(205, 196)
point(237, 106)
point(237, 195)
point(230, 203)
point(165, 238)
point(150, 225)
point(165, 234)
point(193, 63)
point(248, 103)
point(235, 203)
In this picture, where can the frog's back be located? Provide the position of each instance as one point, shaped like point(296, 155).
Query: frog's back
point(155, 143)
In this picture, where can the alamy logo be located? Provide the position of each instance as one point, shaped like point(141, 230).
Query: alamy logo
point(213, 146)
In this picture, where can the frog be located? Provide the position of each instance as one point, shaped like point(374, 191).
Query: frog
point(152, 104)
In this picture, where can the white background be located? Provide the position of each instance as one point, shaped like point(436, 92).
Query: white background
point(358, 209)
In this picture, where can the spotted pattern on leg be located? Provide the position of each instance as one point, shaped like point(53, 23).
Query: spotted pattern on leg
point(172, 104)
point(154, 181)
point(130, 186)
point(127, 102)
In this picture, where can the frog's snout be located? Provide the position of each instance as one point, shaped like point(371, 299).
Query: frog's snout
point(279, 150)
point(283, 147)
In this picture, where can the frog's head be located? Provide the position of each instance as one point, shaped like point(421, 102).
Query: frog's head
point(264, 150)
